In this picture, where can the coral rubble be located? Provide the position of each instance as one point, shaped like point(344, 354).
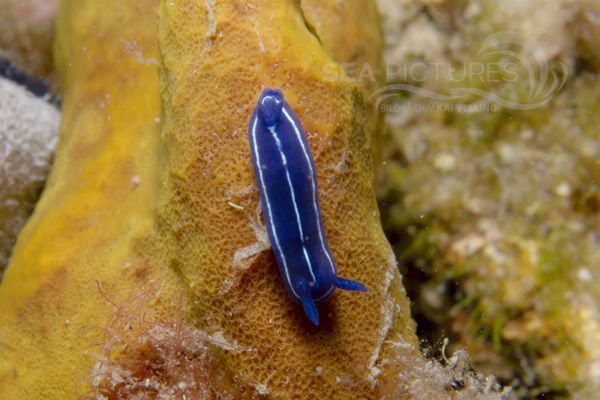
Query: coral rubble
point(28, 132)
point(126, 282)
point(494, 208)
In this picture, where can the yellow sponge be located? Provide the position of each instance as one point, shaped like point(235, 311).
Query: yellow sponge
point(146, 248)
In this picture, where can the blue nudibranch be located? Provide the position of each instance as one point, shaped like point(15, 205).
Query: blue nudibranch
point(287, 182)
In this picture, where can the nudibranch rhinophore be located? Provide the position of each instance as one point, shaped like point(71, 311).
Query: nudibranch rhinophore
point(287, 181)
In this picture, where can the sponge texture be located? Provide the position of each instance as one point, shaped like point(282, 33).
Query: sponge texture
point(152, 196)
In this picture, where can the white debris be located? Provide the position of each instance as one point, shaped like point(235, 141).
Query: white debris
point(131, 48)
point(584, 275)
point(444, 162)
point(563, 189)
point(135, 181)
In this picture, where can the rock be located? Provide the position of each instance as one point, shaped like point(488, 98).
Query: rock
point(28, 133)
point(26, 33)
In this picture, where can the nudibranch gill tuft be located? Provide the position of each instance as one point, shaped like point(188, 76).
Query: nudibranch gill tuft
point(287, 181)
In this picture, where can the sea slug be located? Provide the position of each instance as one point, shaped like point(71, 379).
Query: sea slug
point(287, 181)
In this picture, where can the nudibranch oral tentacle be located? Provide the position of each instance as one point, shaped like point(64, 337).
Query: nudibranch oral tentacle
point(287, 181)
